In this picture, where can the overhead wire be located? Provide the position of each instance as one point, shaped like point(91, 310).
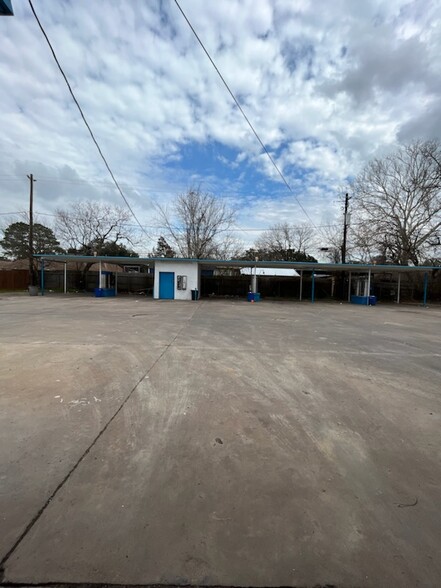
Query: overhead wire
point(232, 230)
point(115, 182)
point(236, 101)
point(84, 119)
point(54, 180)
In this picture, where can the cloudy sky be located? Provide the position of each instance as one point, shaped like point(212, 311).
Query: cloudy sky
point(327, 85)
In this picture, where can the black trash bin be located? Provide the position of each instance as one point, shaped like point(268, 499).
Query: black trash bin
point(195, 294)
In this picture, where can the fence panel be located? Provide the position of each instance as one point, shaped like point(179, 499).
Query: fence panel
point(14, 279)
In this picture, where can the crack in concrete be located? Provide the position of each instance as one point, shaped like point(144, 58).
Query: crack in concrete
point(107, 585)
point(37, 516)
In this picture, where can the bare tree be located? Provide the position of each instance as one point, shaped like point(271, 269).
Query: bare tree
point(360, 246)
point(397, 200)
point(229, 247)
point(89, 227)
point(333, 241)
point(197, 224)
point(285, 240)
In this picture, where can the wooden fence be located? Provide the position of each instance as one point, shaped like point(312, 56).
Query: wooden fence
point(16, 279)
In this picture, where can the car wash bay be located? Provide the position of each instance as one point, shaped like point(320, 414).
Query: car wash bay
point(180, 279)
point(219, 443)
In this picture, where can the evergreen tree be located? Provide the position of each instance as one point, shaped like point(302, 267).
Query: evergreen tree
point(163, 249)
point(15, 242)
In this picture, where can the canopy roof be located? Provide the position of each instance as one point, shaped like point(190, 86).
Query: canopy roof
point(217, 263)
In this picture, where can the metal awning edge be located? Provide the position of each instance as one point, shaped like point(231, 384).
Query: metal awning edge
point(297, 265)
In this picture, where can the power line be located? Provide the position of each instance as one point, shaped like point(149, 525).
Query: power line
point(103, 183)
point(232, 230)
point(83, 117)
point(55, 180)
point(243, 113)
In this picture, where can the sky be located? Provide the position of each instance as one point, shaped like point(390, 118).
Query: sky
point(327, 86)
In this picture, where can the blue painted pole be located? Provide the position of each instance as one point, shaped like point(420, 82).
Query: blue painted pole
point(426, 280)
point(313, 287)
point(369, 288)
point(42, 277)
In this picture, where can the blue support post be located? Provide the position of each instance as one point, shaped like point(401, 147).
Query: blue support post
point(313, 287)
point(368, 288)
point(42, 277)
point(426, 280)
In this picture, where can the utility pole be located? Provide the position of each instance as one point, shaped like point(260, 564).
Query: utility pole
point(345, 229)
point(31, 230)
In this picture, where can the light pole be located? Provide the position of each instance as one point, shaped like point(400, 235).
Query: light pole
point(345, 229)
point(31, 230)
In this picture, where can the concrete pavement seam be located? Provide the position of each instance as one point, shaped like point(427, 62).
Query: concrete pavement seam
point(107, 585)
point(34, 520)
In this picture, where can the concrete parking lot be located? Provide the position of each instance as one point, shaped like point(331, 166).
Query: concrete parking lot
point(219, 443)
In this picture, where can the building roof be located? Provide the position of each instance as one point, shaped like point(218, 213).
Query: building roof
point(216, 263)
point(72, 264)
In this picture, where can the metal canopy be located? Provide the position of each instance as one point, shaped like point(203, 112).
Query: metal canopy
point(216, 263)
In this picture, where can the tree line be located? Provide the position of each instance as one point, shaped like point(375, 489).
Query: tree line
point(86, 228)
point(395, 207)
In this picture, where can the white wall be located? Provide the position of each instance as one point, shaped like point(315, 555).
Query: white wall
point(180, 268)
point(269, 271)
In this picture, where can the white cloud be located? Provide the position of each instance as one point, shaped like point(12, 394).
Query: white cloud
point(327, 86)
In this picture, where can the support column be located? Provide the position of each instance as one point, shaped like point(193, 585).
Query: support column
point(368, 287)
point(99, 275)
point(426, 281)
point(349, 286)
point(398, 288)
point(254, 280)
point(65, 278)
point(42, 277)
point(301, 285)
point(313, 287)
point(116, 283)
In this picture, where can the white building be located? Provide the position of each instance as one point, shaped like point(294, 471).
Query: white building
point(175, 280)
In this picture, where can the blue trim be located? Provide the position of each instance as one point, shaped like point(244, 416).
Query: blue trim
point(313, 287)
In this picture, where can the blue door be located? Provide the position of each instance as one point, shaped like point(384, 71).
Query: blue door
point(167, 285)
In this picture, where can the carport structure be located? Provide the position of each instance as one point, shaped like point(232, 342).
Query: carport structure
point(194, 267)
point(315, 269)
point(100, 260)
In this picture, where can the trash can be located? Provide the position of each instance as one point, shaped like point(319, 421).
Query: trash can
point(253, 296)
point(195, 294)
point(364, 300)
